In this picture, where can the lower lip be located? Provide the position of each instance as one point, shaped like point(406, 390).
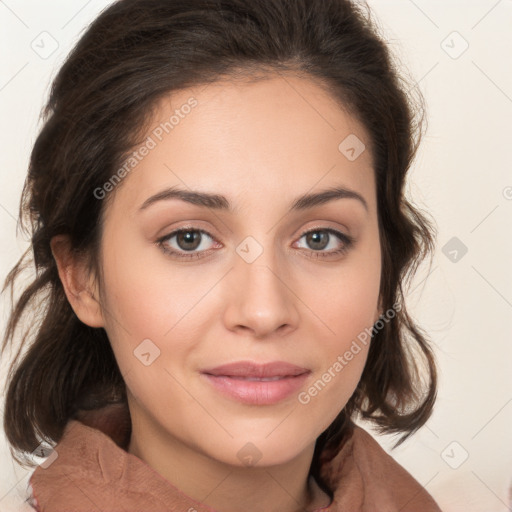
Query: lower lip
point(257, 392)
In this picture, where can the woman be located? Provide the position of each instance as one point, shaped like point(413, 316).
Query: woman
point(218, 220)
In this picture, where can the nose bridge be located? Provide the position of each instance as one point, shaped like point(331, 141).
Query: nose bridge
point(261, 300)
point(261, 276)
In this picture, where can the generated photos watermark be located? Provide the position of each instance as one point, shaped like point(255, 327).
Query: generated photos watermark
point(363, 337)
point(157, 135)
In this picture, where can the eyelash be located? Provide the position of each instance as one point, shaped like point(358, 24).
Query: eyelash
point(347, 240)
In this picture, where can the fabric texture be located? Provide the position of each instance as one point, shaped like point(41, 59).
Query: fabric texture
point(94, 472)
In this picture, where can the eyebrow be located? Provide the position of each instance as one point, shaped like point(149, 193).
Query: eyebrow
point(220, 202)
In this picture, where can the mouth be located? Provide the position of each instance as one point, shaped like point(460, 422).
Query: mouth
point(257, 384)
point(256, 379)
point(251, 370)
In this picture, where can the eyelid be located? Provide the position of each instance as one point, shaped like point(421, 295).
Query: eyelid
point(160, 241)
point(345, 238)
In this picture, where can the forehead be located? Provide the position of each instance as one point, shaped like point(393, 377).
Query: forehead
point(280, 135)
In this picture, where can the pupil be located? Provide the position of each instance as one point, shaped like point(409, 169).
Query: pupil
point(189, 237)
point(315, 237)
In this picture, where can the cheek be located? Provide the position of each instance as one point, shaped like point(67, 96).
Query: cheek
point(346, 302)
point(343, 356)
point(143, 298)
point(334, 383)
point(152, 309)
point(133, 299)
point(347, 305)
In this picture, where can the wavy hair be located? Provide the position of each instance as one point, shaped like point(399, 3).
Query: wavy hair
point(101, 101)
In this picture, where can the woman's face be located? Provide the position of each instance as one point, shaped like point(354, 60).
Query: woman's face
point(244, 281)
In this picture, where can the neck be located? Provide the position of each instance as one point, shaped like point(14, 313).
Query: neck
point(286, 487)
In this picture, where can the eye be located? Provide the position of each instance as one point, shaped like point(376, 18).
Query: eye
point(189, 244)
point(187, 240)
point(320, 238)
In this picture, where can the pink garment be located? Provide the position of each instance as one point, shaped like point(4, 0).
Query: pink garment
point(94, 472)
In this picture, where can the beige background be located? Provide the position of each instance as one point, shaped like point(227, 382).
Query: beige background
point(463, 176)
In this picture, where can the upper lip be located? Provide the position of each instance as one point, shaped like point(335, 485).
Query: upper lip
point(251, 369)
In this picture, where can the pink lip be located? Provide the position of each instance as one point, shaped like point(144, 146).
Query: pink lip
point(231, 380)
point(250, 369)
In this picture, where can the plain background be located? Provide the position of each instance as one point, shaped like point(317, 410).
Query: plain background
point(459, 54)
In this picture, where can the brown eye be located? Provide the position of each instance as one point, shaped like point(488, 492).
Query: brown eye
point(187, 240)
point(190, 243)
point(319, 239)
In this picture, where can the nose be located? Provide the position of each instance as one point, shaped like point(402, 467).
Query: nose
point(261, 299)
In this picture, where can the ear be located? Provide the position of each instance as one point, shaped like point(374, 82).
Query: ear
point(79, 286)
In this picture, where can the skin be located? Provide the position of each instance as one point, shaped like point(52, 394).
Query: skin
point(261, 145)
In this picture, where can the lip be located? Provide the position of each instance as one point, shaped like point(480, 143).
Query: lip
point(251, 369)
point(232, 380)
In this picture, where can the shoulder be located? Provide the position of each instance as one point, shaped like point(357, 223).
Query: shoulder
point(366, 478)
point(82, 463)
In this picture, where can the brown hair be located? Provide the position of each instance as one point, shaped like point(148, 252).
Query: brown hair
point(101, 101)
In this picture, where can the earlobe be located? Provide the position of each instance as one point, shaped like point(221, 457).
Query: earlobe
point(76, 281)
